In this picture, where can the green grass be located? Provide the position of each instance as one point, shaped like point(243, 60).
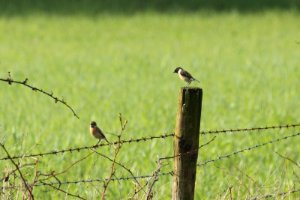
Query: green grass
point(102, 65)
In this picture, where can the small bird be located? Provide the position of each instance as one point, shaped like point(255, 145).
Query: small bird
point(97, 132)
point(184, 75)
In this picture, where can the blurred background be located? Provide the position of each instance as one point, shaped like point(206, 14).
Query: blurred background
point(111, 57)
point(90, 7)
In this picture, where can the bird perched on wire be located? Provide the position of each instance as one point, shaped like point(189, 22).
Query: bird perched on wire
point(97, 132)
point(184, 75)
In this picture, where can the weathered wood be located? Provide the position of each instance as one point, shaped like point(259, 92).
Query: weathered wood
point(186, 143)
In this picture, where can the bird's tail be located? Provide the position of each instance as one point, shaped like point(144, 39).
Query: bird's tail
point(196, 80)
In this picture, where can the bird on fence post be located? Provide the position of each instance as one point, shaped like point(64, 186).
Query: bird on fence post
point(184, 75)
point(97, 132)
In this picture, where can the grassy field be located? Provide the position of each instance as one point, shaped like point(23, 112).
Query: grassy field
point(105, 64)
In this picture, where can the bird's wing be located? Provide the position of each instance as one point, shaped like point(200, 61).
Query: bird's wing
point(101, 132)
point(103, 136)
point(186, 74)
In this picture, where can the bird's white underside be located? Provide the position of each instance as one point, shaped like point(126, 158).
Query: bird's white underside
point(186, 79)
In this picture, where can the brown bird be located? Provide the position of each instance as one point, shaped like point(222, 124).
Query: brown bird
point(184, 75)
point(97, 132)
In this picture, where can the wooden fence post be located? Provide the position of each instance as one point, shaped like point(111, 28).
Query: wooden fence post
point(186, 143)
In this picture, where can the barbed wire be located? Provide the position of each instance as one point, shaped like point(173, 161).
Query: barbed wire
point(275, 195)
point(170, 173)
point(113, 179)
point(193, 151)
point(77, 149)
point(10, 81)
point(226, 156)
point(286, 126)
point(144, 139)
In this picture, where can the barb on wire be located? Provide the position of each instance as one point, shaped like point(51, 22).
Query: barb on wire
point(286, 126)
point(275, 195)
point(226, 156)
point(77, 149)
point(10, 81)
point(189, 152)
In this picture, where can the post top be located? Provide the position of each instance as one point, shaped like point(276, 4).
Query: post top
point(191, 88)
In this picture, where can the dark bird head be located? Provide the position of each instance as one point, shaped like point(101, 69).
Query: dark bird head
point(93, 124)
point(177, 69)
